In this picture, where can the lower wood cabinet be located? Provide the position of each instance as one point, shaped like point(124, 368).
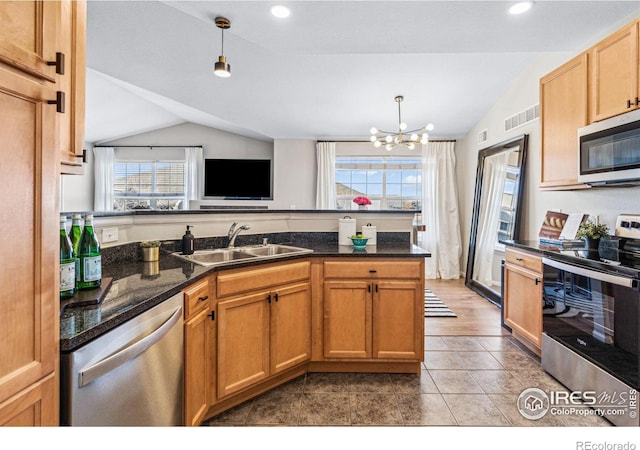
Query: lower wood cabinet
point(375, 317)
point(34, 406)
point(522, 301)
point(262, 332)
point(197, 350)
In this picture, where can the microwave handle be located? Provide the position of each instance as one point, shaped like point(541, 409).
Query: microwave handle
point(605, 277)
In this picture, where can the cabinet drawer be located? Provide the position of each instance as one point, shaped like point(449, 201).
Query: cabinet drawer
point(196, 297)
point(523, 259)
point(359, 268)
point(245, 280)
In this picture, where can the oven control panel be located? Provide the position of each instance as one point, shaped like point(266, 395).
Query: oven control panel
point(628, 225)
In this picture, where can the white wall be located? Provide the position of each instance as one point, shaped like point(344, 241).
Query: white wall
point(295, 171)
point(606, 203)
point(77, 191)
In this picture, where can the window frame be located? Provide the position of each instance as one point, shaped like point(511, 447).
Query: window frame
point(383, 164)
point(153, 197)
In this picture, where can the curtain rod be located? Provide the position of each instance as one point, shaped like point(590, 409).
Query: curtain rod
point(145, 146)
point(369, 142)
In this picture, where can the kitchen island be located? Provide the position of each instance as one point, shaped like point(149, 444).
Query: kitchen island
point(251, 325)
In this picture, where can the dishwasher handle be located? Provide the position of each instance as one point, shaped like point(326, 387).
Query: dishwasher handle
point(106, 365)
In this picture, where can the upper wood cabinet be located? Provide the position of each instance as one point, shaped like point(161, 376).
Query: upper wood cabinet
point(614, 74)
point(564, 109)
point(73, 18)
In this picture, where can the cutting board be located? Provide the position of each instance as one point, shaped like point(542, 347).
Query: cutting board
point(87, 297)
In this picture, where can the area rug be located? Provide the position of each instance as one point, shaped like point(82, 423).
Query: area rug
point(433, 306)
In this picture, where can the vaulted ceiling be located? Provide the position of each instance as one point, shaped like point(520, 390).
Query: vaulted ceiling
point(329, 71)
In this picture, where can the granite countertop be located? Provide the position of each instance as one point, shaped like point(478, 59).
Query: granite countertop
point(138, 286)
point(602, 259)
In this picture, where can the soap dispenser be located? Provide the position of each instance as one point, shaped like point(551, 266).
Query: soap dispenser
point(187, 242)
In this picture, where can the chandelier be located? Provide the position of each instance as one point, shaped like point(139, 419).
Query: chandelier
point(390, 139)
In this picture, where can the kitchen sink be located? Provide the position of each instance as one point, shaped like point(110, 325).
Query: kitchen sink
point(273, 250)
point(222, 256)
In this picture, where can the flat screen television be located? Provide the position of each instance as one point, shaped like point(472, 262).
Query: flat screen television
point(248, 179)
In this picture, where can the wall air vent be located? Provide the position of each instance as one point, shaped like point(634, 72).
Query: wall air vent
point(483, 136)
point(521, 118)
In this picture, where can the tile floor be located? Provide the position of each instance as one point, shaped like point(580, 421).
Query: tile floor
point(465, 381)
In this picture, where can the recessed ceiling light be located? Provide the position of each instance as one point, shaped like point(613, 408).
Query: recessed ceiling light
point(280, 11)
point(520, 7)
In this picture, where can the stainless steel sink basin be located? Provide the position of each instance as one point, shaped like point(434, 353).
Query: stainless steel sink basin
point(215, 257)
point(221, 256)
point(273, 250)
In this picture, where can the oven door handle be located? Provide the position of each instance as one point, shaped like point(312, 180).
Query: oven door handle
point(607, 278)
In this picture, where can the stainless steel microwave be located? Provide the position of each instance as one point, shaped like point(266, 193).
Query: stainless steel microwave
point(609, 151)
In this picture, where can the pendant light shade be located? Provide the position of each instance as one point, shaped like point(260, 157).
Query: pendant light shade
point(222, 68)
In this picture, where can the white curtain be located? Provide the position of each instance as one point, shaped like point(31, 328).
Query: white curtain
point(440, 211)
point(194, 179)
point(493, 179)
point(103, 192)
point(326, 178)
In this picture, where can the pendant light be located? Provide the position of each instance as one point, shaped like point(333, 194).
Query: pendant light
point(390, 138)
point(222, 67)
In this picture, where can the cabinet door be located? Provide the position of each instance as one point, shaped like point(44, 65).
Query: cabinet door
point(614, 74)
point(29, 177)
point(35, 406)
point(398, 320)
point(290, 326)
point(71, 124)
point(196, 363)
point(28, 36)
point(243, 342)
point(564, 109)
point(347, 319)
point(523, 302)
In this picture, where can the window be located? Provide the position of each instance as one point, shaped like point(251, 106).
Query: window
point(393, 183)
point(148, 185)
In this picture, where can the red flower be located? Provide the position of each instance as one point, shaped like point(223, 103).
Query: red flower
point(362, 200)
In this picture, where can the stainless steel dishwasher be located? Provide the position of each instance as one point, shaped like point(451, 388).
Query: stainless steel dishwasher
point(131, 376)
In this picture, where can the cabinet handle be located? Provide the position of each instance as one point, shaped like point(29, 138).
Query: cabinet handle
point(59, 63)
point(519, 259)
point(628, 103)
point(212, 315)
point(59, 102)
point(275, 296)
point(373, 272)
point(537, 281)
point(637, 101)
point(369, 288)
point(268, 298)
point(376, 288)
point(203, 299)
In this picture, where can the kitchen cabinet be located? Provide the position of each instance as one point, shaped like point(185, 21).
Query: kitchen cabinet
point(72, 82)
point(264, 323)
point(373, 309)
point(197, 316)
point(564, 109)
point(614, 64)
point(29, 173)
point(522, 302)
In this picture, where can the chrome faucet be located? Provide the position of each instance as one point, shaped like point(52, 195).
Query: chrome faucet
point(233, 233)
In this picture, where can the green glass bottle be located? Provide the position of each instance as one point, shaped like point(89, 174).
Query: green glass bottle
point(90, 259)
point(67, 262)
point(75, 234)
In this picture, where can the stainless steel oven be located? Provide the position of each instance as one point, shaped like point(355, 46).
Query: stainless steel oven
point(590, 329)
